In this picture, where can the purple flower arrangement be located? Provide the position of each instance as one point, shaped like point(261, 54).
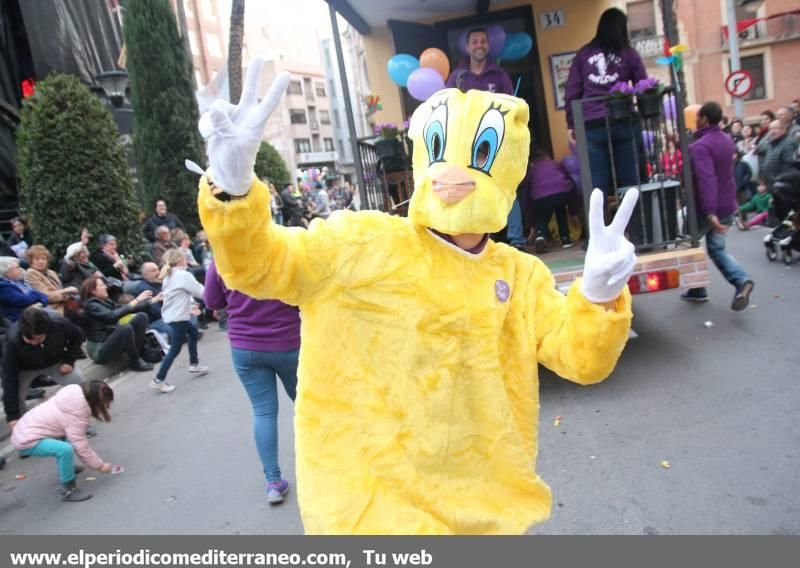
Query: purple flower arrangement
point(649, 86)
point(621, 89)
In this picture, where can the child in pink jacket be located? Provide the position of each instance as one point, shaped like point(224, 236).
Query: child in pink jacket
point(42, 431)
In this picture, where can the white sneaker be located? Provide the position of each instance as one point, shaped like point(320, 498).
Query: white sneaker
point(199, 369)
point(163, 386)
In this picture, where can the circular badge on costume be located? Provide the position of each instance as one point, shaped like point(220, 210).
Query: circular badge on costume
point(503, 290)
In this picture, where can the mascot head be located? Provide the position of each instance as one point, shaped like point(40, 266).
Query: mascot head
point(470, 154)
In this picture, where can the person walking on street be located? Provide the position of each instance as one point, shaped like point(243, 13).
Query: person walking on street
point(179, 288)
point(265, 344)
point(712, 163)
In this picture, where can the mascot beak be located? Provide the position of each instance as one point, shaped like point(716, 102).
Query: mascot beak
point(452, 184)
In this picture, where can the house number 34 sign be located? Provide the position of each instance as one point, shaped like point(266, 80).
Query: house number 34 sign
point(552, 19)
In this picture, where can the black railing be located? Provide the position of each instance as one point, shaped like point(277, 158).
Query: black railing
point(380, 160)
point(665, 214)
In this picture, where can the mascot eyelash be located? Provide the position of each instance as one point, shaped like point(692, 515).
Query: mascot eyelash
point(435, 133)
point(488, 139)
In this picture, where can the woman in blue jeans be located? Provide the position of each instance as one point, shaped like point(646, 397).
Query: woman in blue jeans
point(598, 65)
point(265, 343)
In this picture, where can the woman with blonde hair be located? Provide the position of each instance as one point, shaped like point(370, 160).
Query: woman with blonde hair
point(41, 278)
point(179, 288)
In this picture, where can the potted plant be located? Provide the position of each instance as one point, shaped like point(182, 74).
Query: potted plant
point(648, 97)
point(620, 101)
point(389, 148)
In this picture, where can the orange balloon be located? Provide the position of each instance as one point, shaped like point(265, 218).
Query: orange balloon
point(435, 59)
point(690, 116)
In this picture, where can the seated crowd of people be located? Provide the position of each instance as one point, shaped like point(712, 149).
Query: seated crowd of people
point(99, 303)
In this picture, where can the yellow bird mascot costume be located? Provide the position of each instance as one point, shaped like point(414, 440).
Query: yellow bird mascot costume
point(417, 403)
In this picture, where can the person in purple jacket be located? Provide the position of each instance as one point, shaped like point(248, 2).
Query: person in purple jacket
point(476, 71)
point(715, 191)
point(265, 342)
point(550, 187)
point(597, 66)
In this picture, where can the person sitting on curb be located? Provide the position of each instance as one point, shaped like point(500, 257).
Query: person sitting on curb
point(108, 260)
point(38, 344)
point(163, 244)
point(57, 428)
point(760, 204)
point(40, 277)
point(15, 293)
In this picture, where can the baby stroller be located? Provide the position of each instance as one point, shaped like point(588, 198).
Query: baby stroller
point(785, 238)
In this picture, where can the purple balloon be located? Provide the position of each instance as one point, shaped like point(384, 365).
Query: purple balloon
point(497, 39)
point(462, 43)
point(423, 82)
point(572, 165)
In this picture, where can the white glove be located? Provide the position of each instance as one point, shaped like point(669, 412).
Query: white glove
point(233, 132)
point(610, 257)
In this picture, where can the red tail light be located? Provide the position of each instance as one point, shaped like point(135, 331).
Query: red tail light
point(645, 282)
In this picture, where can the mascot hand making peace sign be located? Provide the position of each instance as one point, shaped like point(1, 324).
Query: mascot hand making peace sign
point(418, 404)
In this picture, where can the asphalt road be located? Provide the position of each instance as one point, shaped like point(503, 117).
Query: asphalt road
point(719, 403)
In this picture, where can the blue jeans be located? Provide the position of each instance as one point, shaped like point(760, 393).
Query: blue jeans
point(257, 371)
point(62, 451)
point(181, 331)
point(514, 232)
point(727, 265)
point(623, 135)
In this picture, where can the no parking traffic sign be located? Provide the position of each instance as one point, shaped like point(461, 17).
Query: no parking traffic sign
point(739, 83)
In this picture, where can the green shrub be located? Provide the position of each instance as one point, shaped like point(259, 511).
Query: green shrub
point(165, 108)
point(269, 165)
point(72, 168)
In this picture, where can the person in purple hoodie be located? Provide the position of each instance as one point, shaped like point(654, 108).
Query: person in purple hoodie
point(597, 66)
point(715, 191)
point(550, 187)
point(265, 342)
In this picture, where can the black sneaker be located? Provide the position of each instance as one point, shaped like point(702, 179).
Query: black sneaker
point(693, 296)
point(742, 297)
point(566, 243)
point(33, 394)
point(43, 381)
point(540, 245)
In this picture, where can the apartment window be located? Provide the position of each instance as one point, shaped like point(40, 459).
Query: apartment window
point(302, 145)
point(295, 88)
point(297, 116)
point(328, 144)
point(315, 144)
point(193, 43)
point(642, 19)
point(208, 9)
point(307, 89)
point(324, 117)
point(214, 49)
point(320, 90)
point(754, 64)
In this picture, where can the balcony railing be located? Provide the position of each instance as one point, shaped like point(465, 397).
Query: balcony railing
point(315, 157)
point(781, 28)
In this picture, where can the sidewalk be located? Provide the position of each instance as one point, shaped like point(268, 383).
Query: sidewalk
point(90, 371)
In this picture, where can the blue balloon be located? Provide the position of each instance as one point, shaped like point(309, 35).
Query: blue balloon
point(400, 67)
point(517, 46)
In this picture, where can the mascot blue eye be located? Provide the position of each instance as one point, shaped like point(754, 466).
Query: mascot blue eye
point(488, 139)
point(435, 133)
point(434, 140)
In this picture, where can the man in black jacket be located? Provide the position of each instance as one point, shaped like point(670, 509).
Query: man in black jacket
point(39, 343)
point(292, 207)
point(108, 260)
point(161, 217)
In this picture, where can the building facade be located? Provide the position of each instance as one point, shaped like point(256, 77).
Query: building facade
point(207, 39)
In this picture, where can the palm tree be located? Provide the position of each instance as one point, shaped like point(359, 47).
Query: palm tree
point(235, 50)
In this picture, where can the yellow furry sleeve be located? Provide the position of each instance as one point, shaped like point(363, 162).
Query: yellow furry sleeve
point(263, 259)
point(576, 339)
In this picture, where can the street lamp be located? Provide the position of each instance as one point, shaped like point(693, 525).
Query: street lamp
point(113, 84)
